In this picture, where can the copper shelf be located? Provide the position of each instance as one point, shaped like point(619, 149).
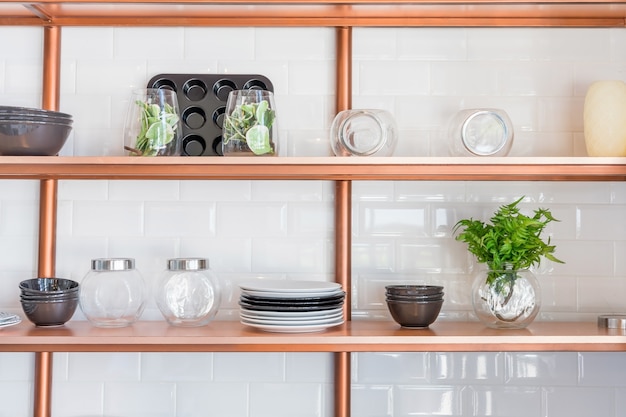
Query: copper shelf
point(316, 13)
point(354, 336)
point(323, 168)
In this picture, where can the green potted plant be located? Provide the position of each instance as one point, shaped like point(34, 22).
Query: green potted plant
point(507, 293)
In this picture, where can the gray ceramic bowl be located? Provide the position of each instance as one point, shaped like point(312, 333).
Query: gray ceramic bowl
point(413, 289)
point(31, 110)
point(49, 297)
point(49, 313)
point(415, 314)
point(47, 286)
point(434, 297)
point(32, 138)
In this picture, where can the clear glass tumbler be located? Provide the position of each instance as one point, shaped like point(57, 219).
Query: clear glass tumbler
point(367, 132)
point(153, 126)
point(249, 127)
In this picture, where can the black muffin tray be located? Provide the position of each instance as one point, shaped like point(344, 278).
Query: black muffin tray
point(202, 102)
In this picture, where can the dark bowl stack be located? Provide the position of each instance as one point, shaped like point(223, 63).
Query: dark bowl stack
point(33, 132)
point(49, 301)
point(414, 306)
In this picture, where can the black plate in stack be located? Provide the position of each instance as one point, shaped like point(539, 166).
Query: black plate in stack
point(291, 306)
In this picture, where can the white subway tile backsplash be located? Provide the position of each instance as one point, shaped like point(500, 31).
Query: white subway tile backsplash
point(432, 44)
point(168, 367)
point(393, 368)
point(16, 398)
point(602, 369)
point(402, 79)
point(467, 367)
point(422, 75)
point(223, 399)
point(298, 255)
point(401, 220)
point(145, 399)
point(505, 401)
point(249, 367)
point(579, 402)
point(372, 400)
point(374, 45)
point(533, 368)
point(143, 190)
point(14, 364)
point(104, 367)
point(180, 219)
point(286, 400)
point(440, 400)
point(308, 367)
point(215, 190)
point(299, 44)
point(128, 41)
point(219, 43)
point(96, 219)
point(66, 393)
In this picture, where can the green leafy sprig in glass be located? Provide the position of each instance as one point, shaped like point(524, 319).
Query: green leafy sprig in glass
point(158, 128)
point(251, 123)
point(511, 242)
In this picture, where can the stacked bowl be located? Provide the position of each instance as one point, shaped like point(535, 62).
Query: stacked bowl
point(49, 301)
point(414, 306)
point(32, 132)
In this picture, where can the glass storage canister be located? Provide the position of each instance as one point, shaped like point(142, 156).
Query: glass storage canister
point(366, 132)
point(188, 294)
point(480, 132)
point(113, 293)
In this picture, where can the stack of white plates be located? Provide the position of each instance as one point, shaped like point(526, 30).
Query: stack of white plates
point(9, 319)
point(291, 306)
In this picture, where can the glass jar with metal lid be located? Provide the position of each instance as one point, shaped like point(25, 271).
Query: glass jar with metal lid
point(480, 132)
point(188, 293)
point(113, 293)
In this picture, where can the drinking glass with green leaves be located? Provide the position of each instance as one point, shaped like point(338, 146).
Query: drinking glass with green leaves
point(153, 124)
point(249, 126)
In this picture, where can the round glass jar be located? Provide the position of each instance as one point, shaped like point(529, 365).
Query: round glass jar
point(367, 132)
point(480, 132)
point(113, 293)
point(188, 294)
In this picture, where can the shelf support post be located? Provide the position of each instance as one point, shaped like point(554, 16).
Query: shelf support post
point(42, 384)
point(343, 222)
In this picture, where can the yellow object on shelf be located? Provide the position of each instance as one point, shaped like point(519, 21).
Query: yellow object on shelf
point(605, 118)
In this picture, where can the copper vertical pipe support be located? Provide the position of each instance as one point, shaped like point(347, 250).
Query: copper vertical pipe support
point(344, 68)
point(343, 231)
point(343, 220)
point(42, 384)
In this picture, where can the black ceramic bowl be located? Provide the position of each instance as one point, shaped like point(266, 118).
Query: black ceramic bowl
point(433, 297)
point(48, 286)
point(49, 313)
point(409, 289)
point(32, 138)
point(414, 314)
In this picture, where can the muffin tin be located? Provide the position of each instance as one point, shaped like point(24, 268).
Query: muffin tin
point(202, 101)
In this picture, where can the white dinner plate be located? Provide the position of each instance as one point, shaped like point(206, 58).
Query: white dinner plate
point(244, 315)
point(295, 329)
point(298, 323)
point(283, 314)
point(285, 286)
point(293, 294)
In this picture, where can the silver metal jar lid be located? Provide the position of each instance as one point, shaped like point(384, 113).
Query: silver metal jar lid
point(187, 264)
point(112, 264)
point(484, 133)
point(612, 321)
